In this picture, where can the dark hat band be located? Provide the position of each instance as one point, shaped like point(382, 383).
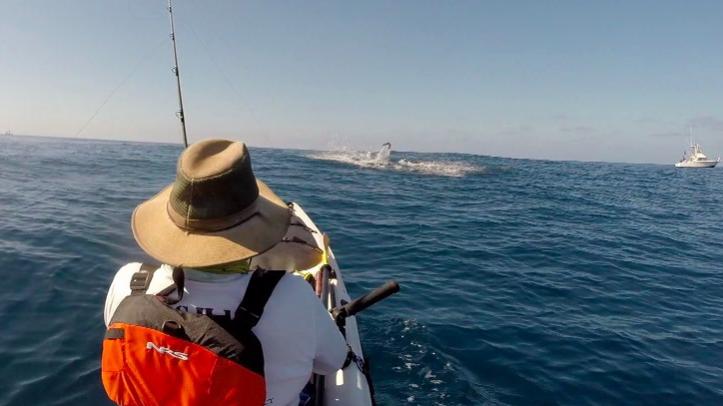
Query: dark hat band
point(213, 224)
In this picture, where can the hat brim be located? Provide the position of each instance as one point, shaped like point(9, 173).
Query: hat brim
point(163, 240)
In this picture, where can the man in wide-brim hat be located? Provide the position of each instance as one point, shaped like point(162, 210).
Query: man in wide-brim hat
point(213, 219)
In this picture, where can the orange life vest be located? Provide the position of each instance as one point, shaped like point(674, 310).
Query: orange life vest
point(157, 355)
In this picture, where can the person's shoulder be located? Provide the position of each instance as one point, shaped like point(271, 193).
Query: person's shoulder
point(125, 273)
point(293, 286)
point(128, 269)
point(119, 288)
point(295, 281)
point(122, 278)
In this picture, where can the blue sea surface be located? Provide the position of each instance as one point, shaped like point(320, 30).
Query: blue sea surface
point(523, 282)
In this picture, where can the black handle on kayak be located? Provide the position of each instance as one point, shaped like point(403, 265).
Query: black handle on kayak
point(355, 306)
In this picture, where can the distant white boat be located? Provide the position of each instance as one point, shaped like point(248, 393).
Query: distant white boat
point(695, 158)
point(8, 133)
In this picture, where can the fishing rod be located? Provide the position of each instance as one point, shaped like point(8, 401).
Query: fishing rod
point(340, 313)
point(180, 114)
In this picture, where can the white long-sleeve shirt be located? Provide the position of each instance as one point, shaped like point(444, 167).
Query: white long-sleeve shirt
point(297, 334)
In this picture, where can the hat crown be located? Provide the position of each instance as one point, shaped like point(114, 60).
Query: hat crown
point(210, 158)
point(215, 187)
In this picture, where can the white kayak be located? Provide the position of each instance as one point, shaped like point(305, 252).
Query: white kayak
point(348, 386)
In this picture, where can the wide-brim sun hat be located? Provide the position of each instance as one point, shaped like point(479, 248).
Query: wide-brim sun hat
point(216, 212)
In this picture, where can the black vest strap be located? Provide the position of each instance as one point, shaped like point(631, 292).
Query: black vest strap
point(258, 292)
point(141, 280)
point(179, 283)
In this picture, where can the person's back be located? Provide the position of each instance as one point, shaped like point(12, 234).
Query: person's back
point(295, 331)
point(209, 225)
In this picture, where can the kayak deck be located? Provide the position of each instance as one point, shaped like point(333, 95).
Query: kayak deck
point(348, 386)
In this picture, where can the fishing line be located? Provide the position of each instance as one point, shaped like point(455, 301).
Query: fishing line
point(138, 64)
point(142, 16)
point(224, 76)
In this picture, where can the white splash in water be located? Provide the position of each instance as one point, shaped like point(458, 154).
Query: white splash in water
point(359, 158)
point(383, 154)
point(441, 168)
point(382, 160)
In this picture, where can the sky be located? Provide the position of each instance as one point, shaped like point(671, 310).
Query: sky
point(618, 81)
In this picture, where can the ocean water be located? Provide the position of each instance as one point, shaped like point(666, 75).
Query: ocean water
point(523, 282)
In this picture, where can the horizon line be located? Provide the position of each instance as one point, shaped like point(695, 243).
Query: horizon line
point(180, 144)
